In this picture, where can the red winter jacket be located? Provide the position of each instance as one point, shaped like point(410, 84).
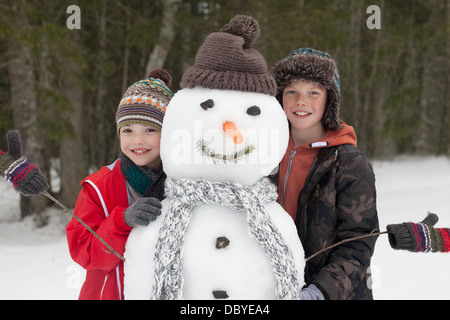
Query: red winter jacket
point(100, 204)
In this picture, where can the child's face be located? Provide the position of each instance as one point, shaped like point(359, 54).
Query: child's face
point(304, 104)
point(141, 144)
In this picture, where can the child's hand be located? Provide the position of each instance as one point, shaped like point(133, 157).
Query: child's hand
point(142, 212)
point(25, 177)
point(311, 293)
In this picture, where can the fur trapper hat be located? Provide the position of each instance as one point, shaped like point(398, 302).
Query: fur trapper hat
point(312, 65)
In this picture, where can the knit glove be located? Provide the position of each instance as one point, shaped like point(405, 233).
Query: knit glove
point(311, 292)
point(142, 212)
point(419, 237)
point(25, 177)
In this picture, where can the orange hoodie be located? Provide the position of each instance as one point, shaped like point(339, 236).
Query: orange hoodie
point(296, 164)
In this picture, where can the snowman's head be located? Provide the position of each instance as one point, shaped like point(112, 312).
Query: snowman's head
point(223, 135)
point(225, 124)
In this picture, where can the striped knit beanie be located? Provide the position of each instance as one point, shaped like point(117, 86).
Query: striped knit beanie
point(145, 101)
point(312, 65)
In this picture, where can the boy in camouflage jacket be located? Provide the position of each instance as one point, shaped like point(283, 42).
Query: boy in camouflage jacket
point(324, 181)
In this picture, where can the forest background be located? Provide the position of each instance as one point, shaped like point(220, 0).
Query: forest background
point(60, 87)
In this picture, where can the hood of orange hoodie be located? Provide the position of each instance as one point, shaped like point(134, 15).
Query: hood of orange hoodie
point(344, 135)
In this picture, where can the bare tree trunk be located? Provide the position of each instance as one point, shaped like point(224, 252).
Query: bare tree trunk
point(97, 118)
point(374, 99)
point(432, 93)
point(166, 35)
point(126, 53)
point(73, 165)
point(24, 103)
point(446, 116)
point(353, 109)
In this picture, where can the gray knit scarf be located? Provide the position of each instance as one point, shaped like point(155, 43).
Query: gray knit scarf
point(185, 194)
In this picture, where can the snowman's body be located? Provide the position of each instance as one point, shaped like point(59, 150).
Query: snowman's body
point(212, 268)
point(219, 256)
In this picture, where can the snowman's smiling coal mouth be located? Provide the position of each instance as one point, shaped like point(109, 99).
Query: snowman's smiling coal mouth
point(226, 158)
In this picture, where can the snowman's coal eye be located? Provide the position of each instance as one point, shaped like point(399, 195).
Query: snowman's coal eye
point(254, 111)
point(207, 104)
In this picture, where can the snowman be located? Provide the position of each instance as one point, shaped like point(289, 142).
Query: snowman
point(221, 233)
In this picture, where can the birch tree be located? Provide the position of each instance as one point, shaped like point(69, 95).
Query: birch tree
point(161, 49)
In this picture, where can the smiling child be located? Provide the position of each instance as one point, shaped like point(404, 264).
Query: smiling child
point(324, 181)
point(125, 194)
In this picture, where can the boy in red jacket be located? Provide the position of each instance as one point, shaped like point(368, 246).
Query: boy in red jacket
point(124, 194)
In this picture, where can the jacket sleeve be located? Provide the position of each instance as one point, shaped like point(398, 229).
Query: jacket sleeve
point(84, 247)
point(346, 275)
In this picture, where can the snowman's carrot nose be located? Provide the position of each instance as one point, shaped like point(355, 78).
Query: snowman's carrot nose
point(231, 130)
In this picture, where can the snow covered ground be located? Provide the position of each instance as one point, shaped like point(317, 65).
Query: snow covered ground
point(407, 189)
point(35, 263)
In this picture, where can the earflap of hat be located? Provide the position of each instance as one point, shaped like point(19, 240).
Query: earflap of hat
point(331, 118)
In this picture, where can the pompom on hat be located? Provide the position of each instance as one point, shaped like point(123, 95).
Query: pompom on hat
point(145, 101)
point(316, 66)
point(227, 61)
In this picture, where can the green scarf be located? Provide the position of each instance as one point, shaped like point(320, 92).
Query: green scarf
point(148, 182)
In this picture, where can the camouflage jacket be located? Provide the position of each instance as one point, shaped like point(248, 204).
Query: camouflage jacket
point(338, 202)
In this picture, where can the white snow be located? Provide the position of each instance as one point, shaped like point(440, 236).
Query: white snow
point(35, 263)
point(407, 189)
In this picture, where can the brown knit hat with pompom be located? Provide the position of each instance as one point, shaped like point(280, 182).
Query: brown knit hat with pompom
point(227, 61)
point(145, 101)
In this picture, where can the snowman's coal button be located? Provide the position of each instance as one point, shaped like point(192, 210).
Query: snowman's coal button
point(220, 294)
point(222, 242)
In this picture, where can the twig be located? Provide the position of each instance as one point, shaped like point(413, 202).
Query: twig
point(65, 209)
point(111, 250)
point(372, 234)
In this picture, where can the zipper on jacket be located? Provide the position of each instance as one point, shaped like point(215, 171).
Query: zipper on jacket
point(306, 195)
point(316, 192)
point(291, 156)
point(316, 195)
